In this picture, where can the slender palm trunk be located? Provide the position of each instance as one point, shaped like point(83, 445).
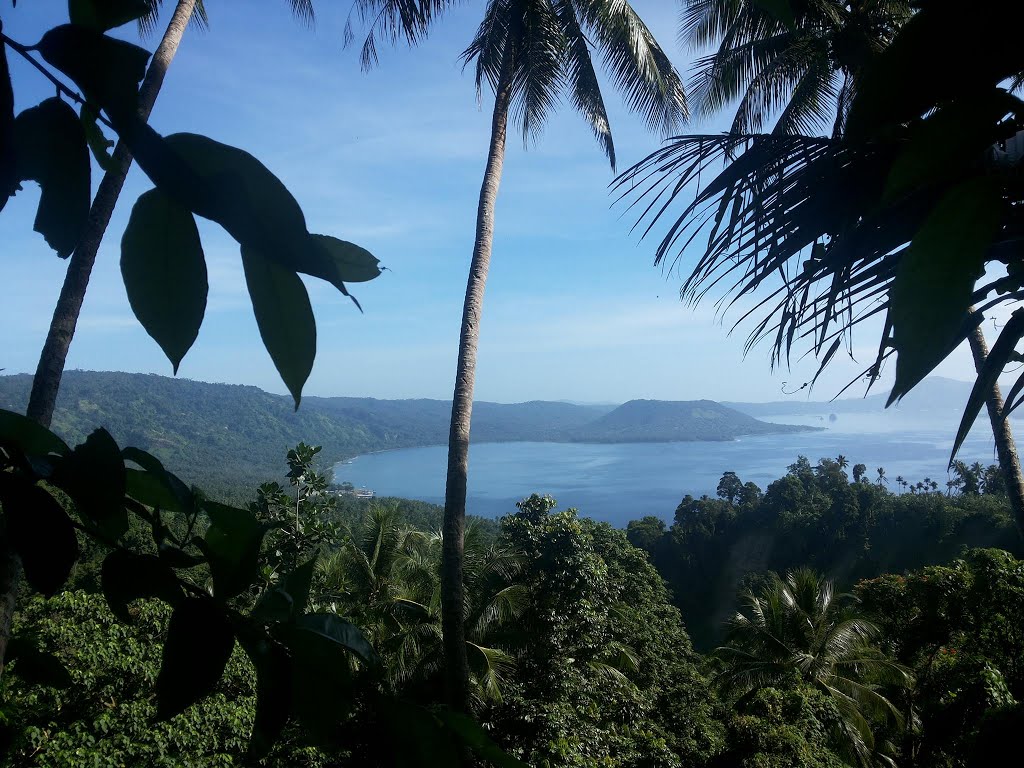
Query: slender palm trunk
point(69, 305)
point(46, 382)
point(452, 588)
point(1006, 448)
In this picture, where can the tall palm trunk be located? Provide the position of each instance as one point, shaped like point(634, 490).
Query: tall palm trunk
point(46, 382)
point(452, 588)
point(1006, 448)
point(69, 305)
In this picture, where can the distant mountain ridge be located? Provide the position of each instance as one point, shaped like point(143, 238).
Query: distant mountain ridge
point(224, 437)
point(656, 421)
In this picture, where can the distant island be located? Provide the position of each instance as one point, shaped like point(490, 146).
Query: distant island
point(226, 437)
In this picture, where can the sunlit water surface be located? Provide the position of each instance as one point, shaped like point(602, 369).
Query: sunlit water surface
point(625, 481)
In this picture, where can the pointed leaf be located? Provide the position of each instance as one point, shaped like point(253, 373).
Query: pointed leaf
point(233, 547)
point(352, 263)
point(28, 436)
point(344, 633)
point(935, 279)
point(273, 690)
point(126, 576)
point(199, 643)
point(164, 272)
point(40, 531)
point(998, 357)
point(102, 15)
point(321, 677)
point(182, 499)
point(284, 316)
point(93, 475)
point(53, 152)
point(107, 70)
point(286, 600)
point(35, 666)
point(473, 736)
point(254, 206)
point(958, 134)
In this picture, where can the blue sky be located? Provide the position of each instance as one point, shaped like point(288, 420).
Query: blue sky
point(392, 159)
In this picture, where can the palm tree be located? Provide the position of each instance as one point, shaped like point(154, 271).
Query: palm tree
point(804, 70)
point(528, 52)
point(882, 479)
point(799, 626)
point(823, 214)
point(50, 369)
point(386, 577)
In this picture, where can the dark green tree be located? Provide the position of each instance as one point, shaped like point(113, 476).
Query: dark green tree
point(800, 628)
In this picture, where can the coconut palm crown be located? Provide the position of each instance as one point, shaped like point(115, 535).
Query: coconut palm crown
point(805, 70)
point(799, 626)
point(542, 49)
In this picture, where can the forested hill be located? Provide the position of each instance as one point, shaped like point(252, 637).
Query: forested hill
point(665, 421)
point(227, 437)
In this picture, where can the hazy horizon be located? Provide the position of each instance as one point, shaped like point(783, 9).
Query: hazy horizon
point(574, 305)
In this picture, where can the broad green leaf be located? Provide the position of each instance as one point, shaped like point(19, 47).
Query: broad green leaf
point(321, 675)
point(8, 154)
point(273, 689)
point(37, 667)
point(102, 15)
point(939, 55)
point(935, 279)
point(253, 205)
point(286, 600)
point(126, 576)
point(164, 272)
point(149, 489)
point(950, 141)
point(352, 263)
point(107, 70)
point(473, 736)
point(40, 532)
point(345, 634)
point(99, 144)
point(183, 499)
point(29, 437)
point(284, 316)
point(53, 152)
point(233, 547)
point(93, 475)
point(199, 643)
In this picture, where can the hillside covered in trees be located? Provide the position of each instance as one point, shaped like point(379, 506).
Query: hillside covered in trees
point(227, 437)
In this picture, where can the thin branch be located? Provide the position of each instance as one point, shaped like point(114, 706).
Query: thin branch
point(25, 52)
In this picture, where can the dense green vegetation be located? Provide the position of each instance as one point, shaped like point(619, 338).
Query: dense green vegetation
point(578, 656)
point(878, 620)
point(818, 516)
point(227, 438)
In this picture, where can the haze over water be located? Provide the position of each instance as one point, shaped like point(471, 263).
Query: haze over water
point(625, 481)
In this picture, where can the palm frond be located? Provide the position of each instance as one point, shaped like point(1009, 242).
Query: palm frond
point(148, 22)
point(490, 667)
point(582, 78)
point(639, 67)
point(390, 21)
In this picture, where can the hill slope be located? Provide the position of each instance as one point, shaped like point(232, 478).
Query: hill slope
point(225, 437)
point(665, 421)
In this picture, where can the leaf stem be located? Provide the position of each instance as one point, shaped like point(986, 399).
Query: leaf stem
point(25, 52)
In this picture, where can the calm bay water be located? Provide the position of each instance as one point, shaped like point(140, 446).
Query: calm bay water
point(625, 481)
